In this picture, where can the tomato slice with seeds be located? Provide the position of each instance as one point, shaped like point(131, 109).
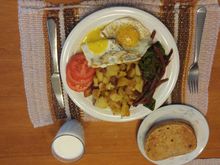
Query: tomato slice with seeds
point(78, 87)
point(79, 75)
point(79, 67)
point(75, 79)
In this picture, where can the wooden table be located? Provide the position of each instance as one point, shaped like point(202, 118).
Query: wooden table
point(106, 143)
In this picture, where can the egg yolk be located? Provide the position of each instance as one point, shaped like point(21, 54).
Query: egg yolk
point(98, 47)
point(93, 35)
point(127, 36)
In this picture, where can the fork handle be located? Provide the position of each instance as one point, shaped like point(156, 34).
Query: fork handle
point(200, 20)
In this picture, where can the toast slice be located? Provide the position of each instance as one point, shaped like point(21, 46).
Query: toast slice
point(168, 139)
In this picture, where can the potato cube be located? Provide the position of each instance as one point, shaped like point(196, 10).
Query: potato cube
point(114, 105)
point(112, 70)
point(116, 111)
point(110, 86)
point(95, 82)
point(115, 97)
point(125, 109)
point(129, 90)
point(101, 102)
point(139, 84)
point(88, 92)
point(122, 74)
point(123, 67)
point(130, 66)
point(99, 75)
point(131, 72)
point(105, 80)
point(102, 86)
point(96, 93)
point(137, 70)
point(121, 91)
point(106, 93)
point(122, 81)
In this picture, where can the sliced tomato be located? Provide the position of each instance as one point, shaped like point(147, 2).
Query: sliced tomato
point(79, 75)
point(78, 87)
point(79, 67)
point(77, 80)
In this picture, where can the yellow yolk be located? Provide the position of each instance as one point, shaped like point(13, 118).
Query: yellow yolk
point(127, 36)
point(93, 35)
point(98, 47)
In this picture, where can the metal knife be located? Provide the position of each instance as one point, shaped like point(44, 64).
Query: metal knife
point(55, 78)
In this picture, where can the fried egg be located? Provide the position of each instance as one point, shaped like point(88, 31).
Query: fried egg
point(111, 30)
point(121, 41)
point(107, 52)
point(94, 51)
point(129, 33)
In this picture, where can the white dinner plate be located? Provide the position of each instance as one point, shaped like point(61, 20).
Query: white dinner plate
point(173, 112)
point(102, 17)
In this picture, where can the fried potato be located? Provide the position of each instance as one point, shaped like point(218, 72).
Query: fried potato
point(105, 80)
point(99, 76)
point(110, 86)
point(139, 83)
point(101, 102)
point(125, 109)
point(96, 93)
point(116, 86)
point(122, 74)
point(115, 96)
point(112, 70)
point(122, 67)
point(123, 81)
point(102, 86)
point(131, 73)
point(87, 92)
point(130, 66)
point(95, 82)
point(137, 70)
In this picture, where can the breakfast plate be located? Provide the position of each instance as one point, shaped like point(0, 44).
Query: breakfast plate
point(102, 17)
point(175, 113)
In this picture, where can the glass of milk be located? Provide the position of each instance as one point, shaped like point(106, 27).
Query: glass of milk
point(68, 144)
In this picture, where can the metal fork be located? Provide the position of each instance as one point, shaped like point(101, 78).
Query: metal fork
point(193, 75)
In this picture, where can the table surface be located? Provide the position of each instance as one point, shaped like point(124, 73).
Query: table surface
point(106, 143)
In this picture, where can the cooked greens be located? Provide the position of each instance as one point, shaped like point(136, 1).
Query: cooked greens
point(152, 65)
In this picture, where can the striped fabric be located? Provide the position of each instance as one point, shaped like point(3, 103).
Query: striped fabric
point(178, 16)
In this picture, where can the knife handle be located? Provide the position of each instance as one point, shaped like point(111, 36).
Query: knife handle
point(52, 34)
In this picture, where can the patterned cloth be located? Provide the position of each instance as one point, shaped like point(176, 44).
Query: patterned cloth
point(179, 17)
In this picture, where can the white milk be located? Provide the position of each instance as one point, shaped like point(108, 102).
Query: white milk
point(68, 144)
point(68, 147)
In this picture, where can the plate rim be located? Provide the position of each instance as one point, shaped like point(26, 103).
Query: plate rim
point(107, 117)
point(172, 107)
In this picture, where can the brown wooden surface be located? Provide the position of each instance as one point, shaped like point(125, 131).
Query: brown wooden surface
point(106, 143)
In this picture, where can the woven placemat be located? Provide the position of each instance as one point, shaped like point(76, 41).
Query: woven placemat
point(179, 17)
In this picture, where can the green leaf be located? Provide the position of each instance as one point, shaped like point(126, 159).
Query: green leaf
point(151, 105)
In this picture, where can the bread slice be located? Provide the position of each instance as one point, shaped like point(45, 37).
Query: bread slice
point(168, 139)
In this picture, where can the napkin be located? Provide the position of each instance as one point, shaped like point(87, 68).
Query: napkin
point(179, 17)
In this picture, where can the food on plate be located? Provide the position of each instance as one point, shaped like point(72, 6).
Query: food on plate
point(128, 31)
point(152, 65)
point(119, 66)
point(79, 75)
point(124, 40)
point(130, 34)
point(168, 139)
point(116, 86)
point(94, 35)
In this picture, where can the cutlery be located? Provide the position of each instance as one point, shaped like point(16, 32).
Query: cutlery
point(55, 78)
point(193, 75)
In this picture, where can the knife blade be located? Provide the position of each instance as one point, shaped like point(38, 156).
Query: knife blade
point(55, 78)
